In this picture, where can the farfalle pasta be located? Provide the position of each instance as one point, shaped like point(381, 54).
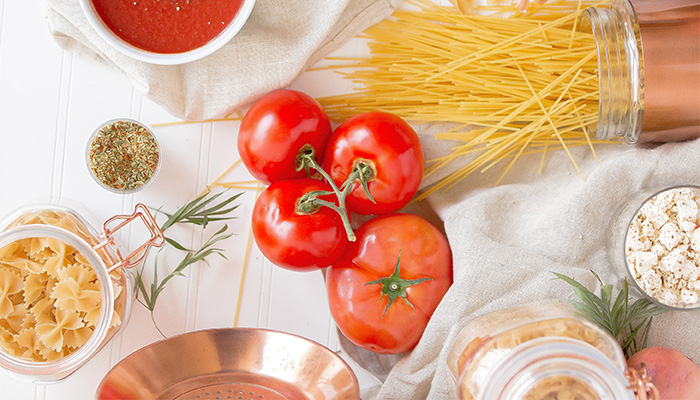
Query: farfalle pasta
point(50, 296)
point(10, 284)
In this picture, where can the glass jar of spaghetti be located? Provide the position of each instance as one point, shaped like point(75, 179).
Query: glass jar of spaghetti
point(649, 69)
point(65, 291)
point(537, 351)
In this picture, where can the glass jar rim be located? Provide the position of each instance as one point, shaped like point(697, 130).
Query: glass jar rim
point(46, 371)
point(532, 361)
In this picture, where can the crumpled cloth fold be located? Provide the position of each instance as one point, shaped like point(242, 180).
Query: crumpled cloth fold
point(508, 239)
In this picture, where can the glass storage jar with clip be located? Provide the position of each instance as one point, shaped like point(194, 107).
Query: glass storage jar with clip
point(538, 351)
point(65, 290)
point(649, 69)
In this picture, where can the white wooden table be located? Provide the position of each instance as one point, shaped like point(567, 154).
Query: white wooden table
point(50, 102)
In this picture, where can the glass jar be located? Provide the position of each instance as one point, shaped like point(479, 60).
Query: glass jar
point(65, 291)
point(649, 69)
point(654, 242)
point(539, 350)
point(123, 155)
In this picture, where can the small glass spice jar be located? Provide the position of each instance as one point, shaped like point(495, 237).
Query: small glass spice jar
point(649, 69)
point(536, 351)
point(123, 155)
point(654, 241)
point(65, 290)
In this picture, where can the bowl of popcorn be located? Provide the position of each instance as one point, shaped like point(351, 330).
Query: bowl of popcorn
point(660, 245)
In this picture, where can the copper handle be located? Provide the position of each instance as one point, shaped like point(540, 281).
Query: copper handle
point(156, 239)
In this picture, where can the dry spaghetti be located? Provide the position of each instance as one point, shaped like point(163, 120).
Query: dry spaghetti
point(515, 83)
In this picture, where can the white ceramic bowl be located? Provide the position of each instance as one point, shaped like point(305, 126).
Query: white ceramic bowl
point(166, 58)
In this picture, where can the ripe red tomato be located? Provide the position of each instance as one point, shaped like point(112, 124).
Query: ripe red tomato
point(361, 306)
point(292, 239)
point(393, 149)
point(275, 128)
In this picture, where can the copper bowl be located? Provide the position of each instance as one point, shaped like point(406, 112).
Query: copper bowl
point(234, 363)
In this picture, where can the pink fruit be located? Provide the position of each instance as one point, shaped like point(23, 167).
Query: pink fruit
point(676, 376)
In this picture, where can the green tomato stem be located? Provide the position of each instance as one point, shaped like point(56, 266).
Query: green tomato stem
point(343, 216)
point(306, 159)
point(393, 286)
point(363, 170)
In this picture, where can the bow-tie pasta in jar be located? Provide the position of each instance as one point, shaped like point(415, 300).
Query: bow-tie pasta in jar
point(64, 289)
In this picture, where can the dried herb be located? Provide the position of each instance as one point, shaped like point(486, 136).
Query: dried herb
point(123, 155)
point(200, 211)
point(624, 321)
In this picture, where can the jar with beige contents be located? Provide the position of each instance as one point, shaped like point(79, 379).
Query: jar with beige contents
point(65, 291)
point(539, 351)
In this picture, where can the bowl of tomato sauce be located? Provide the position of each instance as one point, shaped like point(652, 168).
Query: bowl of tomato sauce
point(167, 32)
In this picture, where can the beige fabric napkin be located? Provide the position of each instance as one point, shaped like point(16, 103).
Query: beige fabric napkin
point(278, 42)
point(507, 239)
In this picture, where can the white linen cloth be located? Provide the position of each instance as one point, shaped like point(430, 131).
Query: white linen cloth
point(280, 40)
point(507, 239)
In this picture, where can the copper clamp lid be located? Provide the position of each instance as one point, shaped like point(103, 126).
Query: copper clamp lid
point(156, 239)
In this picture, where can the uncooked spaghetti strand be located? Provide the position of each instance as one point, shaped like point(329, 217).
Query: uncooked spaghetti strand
point(461, 62)
point(554, 126)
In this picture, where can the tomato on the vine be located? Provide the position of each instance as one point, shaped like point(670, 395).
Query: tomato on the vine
point(387, 284)
point(292, 230)
point(389, 152)
point(276, 128)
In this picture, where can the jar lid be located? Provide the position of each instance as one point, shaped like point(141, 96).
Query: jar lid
point(554, 363)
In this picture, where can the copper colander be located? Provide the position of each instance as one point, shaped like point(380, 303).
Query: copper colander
point(236, 363)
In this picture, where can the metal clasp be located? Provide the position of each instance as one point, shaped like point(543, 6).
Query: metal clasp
point(641, 384)
point(157, 238)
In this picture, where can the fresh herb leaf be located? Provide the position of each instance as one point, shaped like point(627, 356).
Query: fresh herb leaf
point(628, 323)
point(195, 212)
point(199, 211)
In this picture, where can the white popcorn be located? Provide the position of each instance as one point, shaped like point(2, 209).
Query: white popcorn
point(663, 247)
point(669, 235)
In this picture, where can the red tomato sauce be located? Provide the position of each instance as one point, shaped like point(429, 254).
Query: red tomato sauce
point(167, 26)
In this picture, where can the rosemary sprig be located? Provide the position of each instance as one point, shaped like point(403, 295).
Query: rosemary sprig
point(195, 212)
point(628, 323)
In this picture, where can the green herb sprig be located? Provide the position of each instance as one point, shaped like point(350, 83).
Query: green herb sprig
point(628, 323)
point(199, 211)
